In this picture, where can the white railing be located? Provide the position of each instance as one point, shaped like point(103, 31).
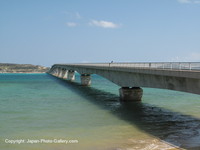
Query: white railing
point(150, 65)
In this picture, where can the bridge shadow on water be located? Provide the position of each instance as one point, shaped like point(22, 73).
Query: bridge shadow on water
point(171, 127)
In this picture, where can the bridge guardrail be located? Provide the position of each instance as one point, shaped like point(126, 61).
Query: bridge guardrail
point(151, 65)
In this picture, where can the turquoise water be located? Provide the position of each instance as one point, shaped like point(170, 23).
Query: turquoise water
point(43, 109)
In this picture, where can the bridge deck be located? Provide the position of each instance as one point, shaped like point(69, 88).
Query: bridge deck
point(180, 76)
point(187, 70)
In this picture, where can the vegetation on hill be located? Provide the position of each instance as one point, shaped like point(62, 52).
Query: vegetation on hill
point(22, 68)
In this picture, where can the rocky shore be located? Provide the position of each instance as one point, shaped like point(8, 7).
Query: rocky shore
point(22, 68)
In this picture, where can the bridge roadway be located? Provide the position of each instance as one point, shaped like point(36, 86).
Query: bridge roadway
point(179, 76)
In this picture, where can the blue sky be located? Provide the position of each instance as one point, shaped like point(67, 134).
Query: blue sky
point(44, 32)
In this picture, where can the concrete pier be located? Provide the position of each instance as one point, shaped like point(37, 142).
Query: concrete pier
point(56, 73)
point(53, 72)
point(85, 79)
point(65, 74)
point(60, 73)
point(130, 94)
point(71, 75)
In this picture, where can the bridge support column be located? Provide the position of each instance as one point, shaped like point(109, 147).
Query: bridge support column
point(51, 71)
point(59, 73)
point(65, 74)
point(130, 94)
point(71, 75)
point(85, 79)
point(54, 72)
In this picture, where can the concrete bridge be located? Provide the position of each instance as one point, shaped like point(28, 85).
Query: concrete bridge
point(179, 76)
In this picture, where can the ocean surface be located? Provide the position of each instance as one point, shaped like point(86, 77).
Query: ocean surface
point(41, 112)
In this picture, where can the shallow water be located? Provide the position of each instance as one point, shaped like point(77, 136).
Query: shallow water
point(40, 107)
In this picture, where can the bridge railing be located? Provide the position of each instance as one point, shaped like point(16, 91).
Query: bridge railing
point(151, 65)
point(161, 65)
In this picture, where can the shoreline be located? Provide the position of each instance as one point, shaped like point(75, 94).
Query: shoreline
point(22, 68)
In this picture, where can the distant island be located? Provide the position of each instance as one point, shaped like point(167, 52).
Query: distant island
point(22, 68)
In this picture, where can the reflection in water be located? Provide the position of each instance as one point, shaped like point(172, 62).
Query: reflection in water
point(174, 128)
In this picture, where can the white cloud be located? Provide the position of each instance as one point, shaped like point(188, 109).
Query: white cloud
point(103, 24)
point(71, 24)
point(189, 1)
